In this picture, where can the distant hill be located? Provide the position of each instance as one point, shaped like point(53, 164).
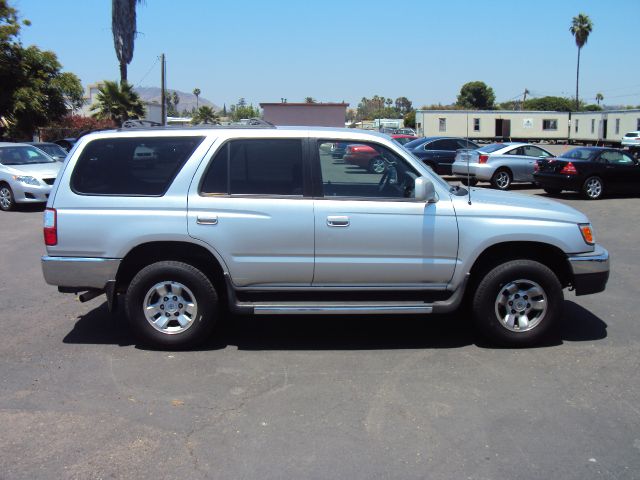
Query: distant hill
point(187, 99)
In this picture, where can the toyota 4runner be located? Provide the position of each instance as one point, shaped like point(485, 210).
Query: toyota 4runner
point(184, 224)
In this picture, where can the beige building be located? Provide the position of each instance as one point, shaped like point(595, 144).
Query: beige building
point(606, 127)
point(493, 124)
point(309, 114)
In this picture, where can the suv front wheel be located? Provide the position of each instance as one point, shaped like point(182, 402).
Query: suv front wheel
point(517, 302)
point(171, 305)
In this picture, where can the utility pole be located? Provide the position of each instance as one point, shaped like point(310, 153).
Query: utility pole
point(163, 100)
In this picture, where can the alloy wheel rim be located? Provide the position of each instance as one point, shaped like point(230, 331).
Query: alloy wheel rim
point(594, 188)
point(521, 305)
point(5, 198)
point(378, 165)
point(170, 307)
point(502, 180)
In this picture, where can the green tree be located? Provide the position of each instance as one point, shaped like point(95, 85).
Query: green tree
point(581, 27)
point(196, 92)
point(309, 100)
point(410, 119)
point(205, 114)
point(123, 25)
point(241, 111)
point(599, 98)
point(118, 102)
point(403, 105)
point(555, 104)
point(476, 95)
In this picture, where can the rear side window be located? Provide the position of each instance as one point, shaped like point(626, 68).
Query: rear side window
point(256, 167)
point(132, 166)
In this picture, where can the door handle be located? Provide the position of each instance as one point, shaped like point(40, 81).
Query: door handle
point(337, 221)
point(207, 220)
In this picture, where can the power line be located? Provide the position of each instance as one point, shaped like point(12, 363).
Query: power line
point(148, 71)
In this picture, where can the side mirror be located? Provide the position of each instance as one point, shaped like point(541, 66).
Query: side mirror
point(425, 191)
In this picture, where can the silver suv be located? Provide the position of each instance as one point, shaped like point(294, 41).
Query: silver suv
point(263, 220)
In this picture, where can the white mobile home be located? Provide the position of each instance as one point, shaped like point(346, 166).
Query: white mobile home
point(603, 127)
point(494, 124)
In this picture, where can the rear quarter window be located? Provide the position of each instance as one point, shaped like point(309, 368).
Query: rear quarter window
point(140, 166)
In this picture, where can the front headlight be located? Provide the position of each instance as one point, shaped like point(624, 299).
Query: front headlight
point(587, 233)
point(26, 179)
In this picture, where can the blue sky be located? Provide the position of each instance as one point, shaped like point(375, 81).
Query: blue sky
point(344, 50)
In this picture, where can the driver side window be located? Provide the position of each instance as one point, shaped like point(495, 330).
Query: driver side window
point(365, 170)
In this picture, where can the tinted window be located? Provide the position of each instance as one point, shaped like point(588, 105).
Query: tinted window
point(532, 151)
point(632, 134)
point(131, 166)
point(437, 145)
point(367, 170)
point(616, 158)
point(415, 143)
point(515, 151)
point(256, 167)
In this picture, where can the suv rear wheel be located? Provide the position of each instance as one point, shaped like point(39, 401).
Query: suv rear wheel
point(517, 302)
point(171, 305)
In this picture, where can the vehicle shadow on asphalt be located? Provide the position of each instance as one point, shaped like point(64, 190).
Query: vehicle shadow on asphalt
point(27, 208)
point(336, 333)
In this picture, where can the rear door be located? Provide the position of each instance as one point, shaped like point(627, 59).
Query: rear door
point(371, 232)
point(252, 209)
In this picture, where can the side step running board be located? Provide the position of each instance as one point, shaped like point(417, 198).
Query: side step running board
point(327, 308)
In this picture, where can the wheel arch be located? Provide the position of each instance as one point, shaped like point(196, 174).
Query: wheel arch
point(549, 255)
point(147, 253)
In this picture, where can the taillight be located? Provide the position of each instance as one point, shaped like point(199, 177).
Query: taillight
point(50, 227)
point(483, 158)
point(569, 169)
point(536, 167)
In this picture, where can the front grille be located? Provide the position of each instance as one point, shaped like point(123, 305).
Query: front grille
point(49, 181)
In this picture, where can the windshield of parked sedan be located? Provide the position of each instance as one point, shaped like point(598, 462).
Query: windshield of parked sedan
point(579, 154)
point(53, 150)
point(23, 155)
point(492, 147)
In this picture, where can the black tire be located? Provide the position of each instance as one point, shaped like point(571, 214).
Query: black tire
point(493, 294)
point(552, 191)
point(593, 188)
point(196, 290)
point(7, 200)
point(469, 182)
point(502, 179)
point(377, 165)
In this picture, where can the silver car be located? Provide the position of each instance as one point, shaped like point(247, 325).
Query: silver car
point(26, 175)
point(498, 163)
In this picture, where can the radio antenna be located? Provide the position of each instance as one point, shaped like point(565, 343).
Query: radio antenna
point(467, 155)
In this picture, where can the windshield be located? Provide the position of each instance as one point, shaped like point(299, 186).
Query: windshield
point(492, 147)
point(23, 155)
point(403, 140)
point(56, 150)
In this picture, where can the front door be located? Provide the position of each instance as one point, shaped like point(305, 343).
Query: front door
point(251, 208)
point(369, 230)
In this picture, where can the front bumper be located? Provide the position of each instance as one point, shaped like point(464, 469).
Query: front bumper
point(79, 273)
point(23, 193)
point(590, 271)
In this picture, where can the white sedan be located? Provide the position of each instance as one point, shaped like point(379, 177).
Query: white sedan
point(498, 163)
point(26, 175)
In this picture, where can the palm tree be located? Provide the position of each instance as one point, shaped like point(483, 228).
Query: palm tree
point(123, 25)
point(309, 100)
point(196, 92)
point(117, 102)
point(205, 114)
point(581, 27)
point(599, 98)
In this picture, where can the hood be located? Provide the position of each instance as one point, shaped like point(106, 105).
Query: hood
point(38, 170)
point(495, 203)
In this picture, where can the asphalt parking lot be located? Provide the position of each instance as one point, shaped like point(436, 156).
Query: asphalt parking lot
point(318, 397)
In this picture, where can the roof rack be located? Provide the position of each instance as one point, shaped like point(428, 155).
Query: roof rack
point(148, 124)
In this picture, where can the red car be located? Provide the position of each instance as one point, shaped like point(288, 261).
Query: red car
point(402, 139)
point(366, 157)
